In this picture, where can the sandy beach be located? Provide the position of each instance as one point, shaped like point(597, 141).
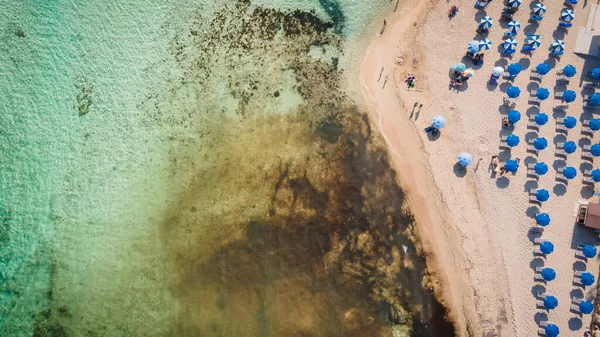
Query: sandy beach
point(476, 223)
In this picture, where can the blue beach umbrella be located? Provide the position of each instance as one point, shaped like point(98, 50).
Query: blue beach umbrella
point(514, 3)
point(558, 46)
point(586, 307)
point(542, 93)
point(595, 150)
point(533, 41)
point(567, 15)
point(511, 166)
point(486, 22)
point(513, 92)
point(595, 124)
point(514, 69)
point(542, 68)
point(550, 302)
point(510, 44)
point(485, 44)
point(473, 46)
point(551, 330)
point(539, 9)
point(547, 247)
point(570, 146)
point(513, 140)
point(540, 143)
point(438, 122)
point(542, 219)
point(569, 122)
point(589, 251)
point(587, 279)
point(569, 96)
point(596, 175)
point(595, 99)
point(541, 119)
point(541, 169)
point(548, 274)
point(514, 116)
point(596, 73)
point(465, 159)
point(542, 195)
point(569, 70)
point(569, 172)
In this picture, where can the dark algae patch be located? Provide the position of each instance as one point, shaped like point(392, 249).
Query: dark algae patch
point(280, 222)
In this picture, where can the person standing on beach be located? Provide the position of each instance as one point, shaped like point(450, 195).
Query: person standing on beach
point(384, 24)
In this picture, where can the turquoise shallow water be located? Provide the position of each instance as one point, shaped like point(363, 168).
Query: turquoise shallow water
point(196, 169)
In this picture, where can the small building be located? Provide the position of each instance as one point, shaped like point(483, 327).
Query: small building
point(588, 37)
point(589, 215)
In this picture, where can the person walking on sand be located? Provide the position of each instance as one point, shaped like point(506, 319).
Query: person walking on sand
point(384, 24)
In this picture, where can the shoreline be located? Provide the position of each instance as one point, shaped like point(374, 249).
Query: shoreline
point(408, 157)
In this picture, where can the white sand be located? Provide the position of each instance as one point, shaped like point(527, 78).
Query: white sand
point(477, 225)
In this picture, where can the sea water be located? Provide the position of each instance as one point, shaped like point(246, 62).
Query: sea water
point(198, 168)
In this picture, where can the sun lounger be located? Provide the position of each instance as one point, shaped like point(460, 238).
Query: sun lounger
point(577, 300)
point(531, 173)
point(563, 79)
point(579, 272)
point(539, 304)
point(534, 17)
point(586, 148)
point(559, 94)
point(575, 307)
point(570, 2)
point(508, 52)
point(577, 281)
point(542, 296)
point(527, 48)
point(539, 240)
point(565, 24)
point(560, 151)
point(557, 53)
point(543, 324)
point(481, 4)
point(536, 229)
point(560, 127)
point(538, 251)
point(531, 149)
point(532, 125)
point(532, 198)
point(510, 34)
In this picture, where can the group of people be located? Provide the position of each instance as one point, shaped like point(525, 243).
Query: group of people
point(410, 80)
point(453, 11)
point(500, 170)
point(493, 79)
point(458, 79)
point(475, 58)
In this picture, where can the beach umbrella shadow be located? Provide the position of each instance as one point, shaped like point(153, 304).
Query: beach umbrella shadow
point(502, 182)
point(559, 189)
point(587, 192)
point(540, 317)
point(459, 170)
point(575, 323)
point(537, 290)
point(433, 137)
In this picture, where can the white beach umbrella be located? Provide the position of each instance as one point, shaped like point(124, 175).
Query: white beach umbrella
point(510, 44)
point(485, 44)
point(486, 22)
point(514, 3)
point(514, 26)
point(567, 15)
point(533, 41)
point(497, 71)
point(557, 46)
point(539, 9)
